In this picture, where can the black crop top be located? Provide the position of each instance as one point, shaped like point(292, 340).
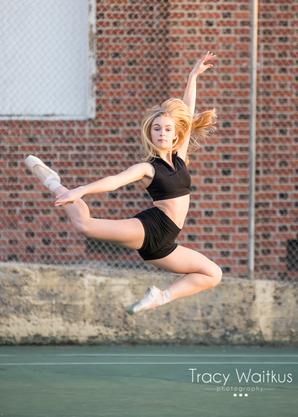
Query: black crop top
point(167, 181)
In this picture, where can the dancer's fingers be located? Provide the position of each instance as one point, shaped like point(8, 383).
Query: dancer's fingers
point(62, 203)
point(59, 197)
point(59, 202)
point(210, 55)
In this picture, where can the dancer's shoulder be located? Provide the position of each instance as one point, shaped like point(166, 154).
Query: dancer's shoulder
point(134, 173)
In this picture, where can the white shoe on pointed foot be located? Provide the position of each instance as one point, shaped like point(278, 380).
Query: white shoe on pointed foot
point(153, 298)
point(47, 176)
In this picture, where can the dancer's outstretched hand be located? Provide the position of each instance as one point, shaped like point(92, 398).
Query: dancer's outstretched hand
point(203, 63)
point(69, 196)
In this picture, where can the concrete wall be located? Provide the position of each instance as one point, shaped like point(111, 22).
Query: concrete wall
point(43, 305)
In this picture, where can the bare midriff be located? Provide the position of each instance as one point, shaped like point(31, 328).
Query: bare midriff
point(175, 208)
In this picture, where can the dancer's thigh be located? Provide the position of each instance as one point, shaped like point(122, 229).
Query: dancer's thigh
point(185, 260)
point(125, 232)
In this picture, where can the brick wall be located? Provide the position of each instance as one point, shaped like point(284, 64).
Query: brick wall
point(144, 53)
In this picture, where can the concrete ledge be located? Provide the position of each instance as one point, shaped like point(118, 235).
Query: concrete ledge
point(42, 304)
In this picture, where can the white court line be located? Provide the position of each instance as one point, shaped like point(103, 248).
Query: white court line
point(153, 354)
point(142, 363)
point(173, 354)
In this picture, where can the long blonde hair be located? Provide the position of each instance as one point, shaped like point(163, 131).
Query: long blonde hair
point(200, 125)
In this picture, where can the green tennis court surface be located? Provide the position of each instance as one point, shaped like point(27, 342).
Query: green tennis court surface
point(141, 381)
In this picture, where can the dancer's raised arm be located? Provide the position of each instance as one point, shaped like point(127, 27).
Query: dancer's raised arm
point(190, 93)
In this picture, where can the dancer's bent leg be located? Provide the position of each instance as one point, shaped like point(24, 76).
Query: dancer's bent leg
point(200, 274)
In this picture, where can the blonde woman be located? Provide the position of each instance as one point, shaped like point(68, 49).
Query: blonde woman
point(168, 131)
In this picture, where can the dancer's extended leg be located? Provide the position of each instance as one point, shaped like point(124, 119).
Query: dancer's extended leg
point(125, 232)
point(78, 211)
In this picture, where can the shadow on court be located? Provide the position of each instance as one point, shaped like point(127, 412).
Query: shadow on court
point(143, 381)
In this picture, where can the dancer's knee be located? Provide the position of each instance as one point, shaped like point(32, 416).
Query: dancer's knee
point(217, 276)
point(81, 226)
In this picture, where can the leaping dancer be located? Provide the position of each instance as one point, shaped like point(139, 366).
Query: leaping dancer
point(167, 130)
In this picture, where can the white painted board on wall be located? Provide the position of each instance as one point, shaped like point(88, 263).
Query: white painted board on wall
point(46, 67)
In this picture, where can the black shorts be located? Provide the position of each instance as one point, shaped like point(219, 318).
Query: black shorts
point(160, 234)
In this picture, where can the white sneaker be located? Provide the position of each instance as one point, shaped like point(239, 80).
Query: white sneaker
point(153, 298)
point(47, 176)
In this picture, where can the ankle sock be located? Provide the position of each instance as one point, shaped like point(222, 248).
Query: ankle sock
point(52, 184)
point(166, 296)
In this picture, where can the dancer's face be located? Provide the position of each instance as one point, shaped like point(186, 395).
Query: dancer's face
point(163, 132)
